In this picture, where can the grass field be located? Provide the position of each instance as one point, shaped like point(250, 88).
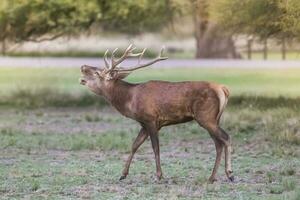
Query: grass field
point(77, 153)
point(56, 143)
point(44, 87)
point(264, 82)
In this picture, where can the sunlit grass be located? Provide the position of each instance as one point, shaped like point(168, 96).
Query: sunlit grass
point(262, 82)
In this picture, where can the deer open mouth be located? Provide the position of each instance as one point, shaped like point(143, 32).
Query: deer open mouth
point(82, 81)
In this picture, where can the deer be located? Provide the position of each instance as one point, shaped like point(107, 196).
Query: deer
point(155, 104)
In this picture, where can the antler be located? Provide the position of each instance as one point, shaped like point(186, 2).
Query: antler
point(139, 65)
point(106, 59)
point(115, 62)
point(129, 54)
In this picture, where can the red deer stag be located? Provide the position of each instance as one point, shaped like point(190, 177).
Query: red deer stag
point(155, 104)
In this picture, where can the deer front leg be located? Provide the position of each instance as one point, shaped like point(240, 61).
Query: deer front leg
point(139, 140)
point(155, 146)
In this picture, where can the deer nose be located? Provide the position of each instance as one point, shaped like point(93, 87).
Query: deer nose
point(83, 67)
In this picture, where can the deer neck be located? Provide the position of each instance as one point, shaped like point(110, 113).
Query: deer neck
point(119, 94)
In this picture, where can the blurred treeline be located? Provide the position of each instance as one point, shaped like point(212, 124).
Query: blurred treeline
point(215, 22)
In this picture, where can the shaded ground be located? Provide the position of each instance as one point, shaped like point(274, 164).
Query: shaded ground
point(79, 154)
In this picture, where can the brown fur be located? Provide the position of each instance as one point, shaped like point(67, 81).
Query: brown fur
point(155, 104)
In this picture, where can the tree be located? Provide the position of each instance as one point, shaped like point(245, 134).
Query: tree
point(39, 20)
point(211, 41)
point(135, 17)
point(254, 17)
point(276, 19)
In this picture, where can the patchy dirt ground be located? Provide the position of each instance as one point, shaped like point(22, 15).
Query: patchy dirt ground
point(79, 154)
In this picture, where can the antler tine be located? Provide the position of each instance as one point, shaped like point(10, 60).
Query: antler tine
point(161, 51)
point(113, 65)
point(114, 51)
point(129, 47)
point(127, 53)
point(141, 55)
point(106, 60)
point(159, 58)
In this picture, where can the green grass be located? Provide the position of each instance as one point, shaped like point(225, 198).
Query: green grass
point(45, 97)
point(264, 82)
point(79, 153)
point(66, 145)
point(40, 87)
point(44, 87)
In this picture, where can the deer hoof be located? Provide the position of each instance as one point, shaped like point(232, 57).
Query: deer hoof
point(212, 180)
point(122, 177)
point(159, 177)
point(230, 176)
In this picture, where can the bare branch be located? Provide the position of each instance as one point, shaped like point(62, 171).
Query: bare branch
point(44, 39)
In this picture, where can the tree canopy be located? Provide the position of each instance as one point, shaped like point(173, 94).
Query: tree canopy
point(35, 20)
point(38, 20)
point(262, 18)
point(131, 16)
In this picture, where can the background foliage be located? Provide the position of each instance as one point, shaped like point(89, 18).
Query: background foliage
point(262, 18)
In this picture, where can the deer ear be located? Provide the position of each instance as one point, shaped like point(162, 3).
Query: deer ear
point(114, 75)
point(117, 75)
point(98, 74)
point(121, 75)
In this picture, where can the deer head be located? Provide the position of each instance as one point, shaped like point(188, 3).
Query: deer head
point(98, 78)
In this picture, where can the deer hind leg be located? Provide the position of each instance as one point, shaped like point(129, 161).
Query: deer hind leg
point(155, 146)
point(142, 136)
point(219, 150)
point(221, 139)
point(224, 138)
point(153, 132)
point(227, 143)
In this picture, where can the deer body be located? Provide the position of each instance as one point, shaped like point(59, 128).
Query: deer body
point(155, 104)
point(162, 102)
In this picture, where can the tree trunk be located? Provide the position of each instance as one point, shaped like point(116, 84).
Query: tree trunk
point(211, 41)
point(265, 50)
point(3, 47)
point(249, 48)
point(283, 49)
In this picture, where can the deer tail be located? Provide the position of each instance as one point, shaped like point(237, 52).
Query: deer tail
point(223, 94)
